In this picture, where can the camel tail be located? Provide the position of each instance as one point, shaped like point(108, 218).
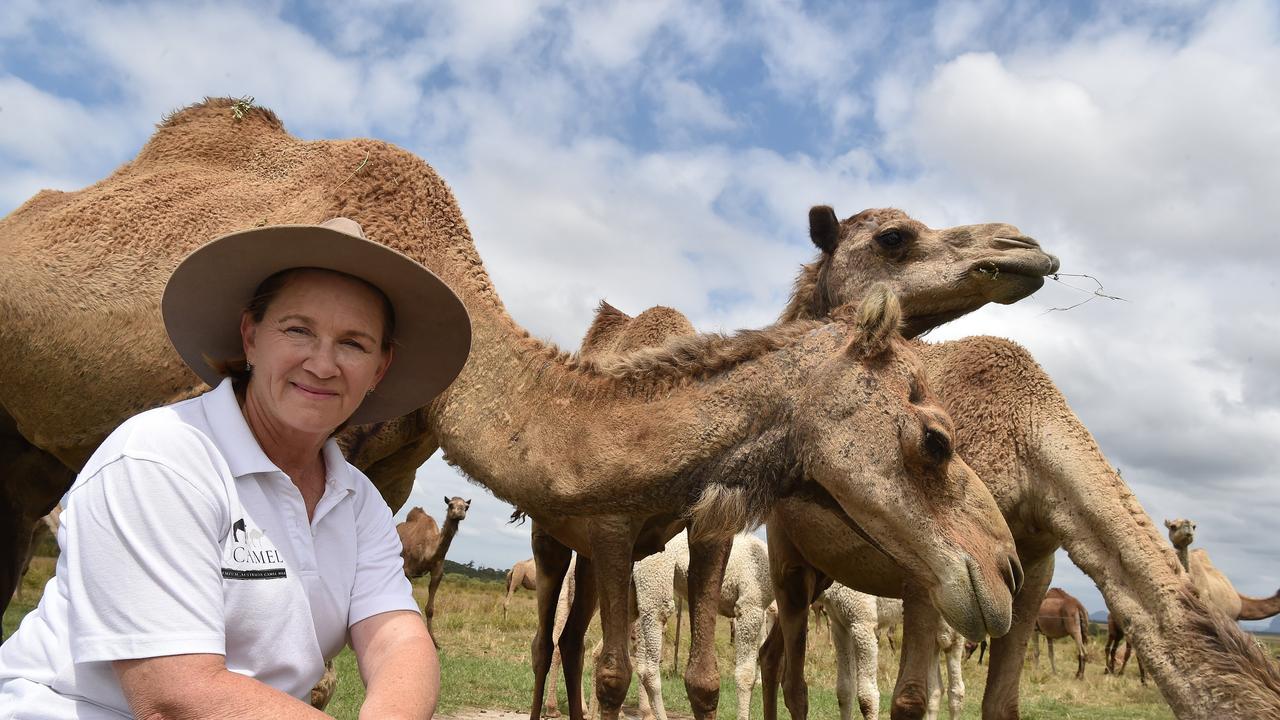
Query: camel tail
point(1259, 608)
point(1084, 626)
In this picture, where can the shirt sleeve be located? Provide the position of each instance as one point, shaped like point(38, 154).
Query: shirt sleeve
point(144, 555)
point(380, 585)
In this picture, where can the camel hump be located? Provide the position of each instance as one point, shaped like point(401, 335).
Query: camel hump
point(608, 322)
point(876, 322)
point(217, 110)
point(220, 131)
point(652, 328)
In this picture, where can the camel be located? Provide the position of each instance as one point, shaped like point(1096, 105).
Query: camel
point(322, 693)
point(523, 574)
point(424, 544)
point(1062, 615)
point(888, 618)
point(48, 526)
point(1056, 489)
point(1115, 636)
point(706, 432)
point(745, 597)
point(942, 273)
point(1213, 586)
point(857, 620)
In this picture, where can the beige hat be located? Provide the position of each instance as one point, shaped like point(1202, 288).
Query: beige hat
point(209, 290)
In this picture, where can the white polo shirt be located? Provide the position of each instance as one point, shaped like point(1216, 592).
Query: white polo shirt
point(180, 536)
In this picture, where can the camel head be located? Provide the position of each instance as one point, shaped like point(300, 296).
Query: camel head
point(1182, 532)
point(869, 430)
point(457, 508)
point(938, 275)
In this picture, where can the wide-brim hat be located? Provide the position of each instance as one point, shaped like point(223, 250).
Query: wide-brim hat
point(209, 290)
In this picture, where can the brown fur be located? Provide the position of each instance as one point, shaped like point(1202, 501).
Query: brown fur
point(424, 544)
point(1062, 615)
point(548, 435)
point(523, 574)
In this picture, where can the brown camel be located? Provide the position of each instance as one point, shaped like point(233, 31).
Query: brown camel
point(424, 544)
point(1214, 587)
point(941, 274)
point(1115, 636)
point(1003, 402)
point(708, 431)
point(1062, 615)
point(523, 574)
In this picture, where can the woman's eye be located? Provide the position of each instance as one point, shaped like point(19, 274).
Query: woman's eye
point(296, 330)
point(354, 344)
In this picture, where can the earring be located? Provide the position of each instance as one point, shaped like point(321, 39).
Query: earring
point(248, 366)
point(370, 392)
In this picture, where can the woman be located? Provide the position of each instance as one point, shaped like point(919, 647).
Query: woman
point(217, 551)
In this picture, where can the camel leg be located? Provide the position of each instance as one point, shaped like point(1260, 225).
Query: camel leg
point(955, 677)
point(574, 635)
point(707, 560)
point(1009, 652)
point(794, 594)
point(612, 540)
point(920, 625)
point(31, 482)
point(675, 649)
point(933, 683)
point(552, 562)
point(1076, 635)
point(746, 647)
point(648, 648)
point(437, 574)
point(847, 666)
point(771, 668)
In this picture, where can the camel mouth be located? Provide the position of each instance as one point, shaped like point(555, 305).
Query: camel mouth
point(969, 605)
point(1013, 276)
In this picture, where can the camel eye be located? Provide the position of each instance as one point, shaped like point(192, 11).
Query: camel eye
point(891, 239)
point(937, 446)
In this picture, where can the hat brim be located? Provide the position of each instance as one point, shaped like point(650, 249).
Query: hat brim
point(209, 290)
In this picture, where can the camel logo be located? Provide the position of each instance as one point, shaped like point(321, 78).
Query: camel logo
point(251, 555)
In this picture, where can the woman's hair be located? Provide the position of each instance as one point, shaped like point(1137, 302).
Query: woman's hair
point(237, 367)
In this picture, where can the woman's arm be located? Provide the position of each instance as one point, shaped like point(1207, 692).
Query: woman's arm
point(398, 664)
point(178, 687)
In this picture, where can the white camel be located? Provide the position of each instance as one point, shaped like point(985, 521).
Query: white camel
point(745, 596)
point(856, 621)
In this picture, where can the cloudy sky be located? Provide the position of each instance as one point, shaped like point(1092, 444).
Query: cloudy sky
point(667, 152)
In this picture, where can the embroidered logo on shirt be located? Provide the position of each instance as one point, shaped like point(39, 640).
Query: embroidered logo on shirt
point(251, 555)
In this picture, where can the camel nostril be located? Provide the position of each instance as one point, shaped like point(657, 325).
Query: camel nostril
point(1013, 574)
point(1016, 242)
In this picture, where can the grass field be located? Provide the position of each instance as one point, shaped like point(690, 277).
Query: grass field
point(485, 664)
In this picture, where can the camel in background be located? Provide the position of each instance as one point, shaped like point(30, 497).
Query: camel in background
point(424, 545)
point(1214, 587)
point(47, 527)
point(524, 574)
point(1062, 615)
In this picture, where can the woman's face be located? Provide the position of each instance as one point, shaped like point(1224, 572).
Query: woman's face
point(316, 352)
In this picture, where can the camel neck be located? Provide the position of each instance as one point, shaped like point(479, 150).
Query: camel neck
point(1184, 553)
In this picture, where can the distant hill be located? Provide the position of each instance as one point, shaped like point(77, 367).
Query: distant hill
point(1099, 616)
point(470, 570)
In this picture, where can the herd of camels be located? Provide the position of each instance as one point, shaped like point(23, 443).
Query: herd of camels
point(945, 474)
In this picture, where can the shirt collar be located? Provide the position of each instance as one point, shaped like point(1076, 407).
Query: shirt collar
point(241, 450)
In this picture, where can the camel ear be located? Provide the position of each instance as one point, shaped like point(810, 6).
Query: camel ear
point(824, 228)
point(446, 500)
point(468, 504)
point(1168, 523)
point(878, 319)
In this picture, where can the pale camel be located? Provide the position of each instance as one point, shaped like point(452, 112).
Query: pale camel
point(524, 574)
point(942, 273)
point(708, 431)
point(322, 693)
point(1061, 615)
point(47, 527)
point(424, 544)
point(745, 596)
point(1214, 587)
point(1056, 488)
point(857, 620)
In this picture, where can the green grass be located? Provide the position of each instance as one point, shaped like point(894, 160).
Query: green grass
point(485, 664)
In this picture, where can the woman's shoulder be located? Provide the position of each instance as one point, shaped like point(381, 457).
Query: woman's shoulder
point(174, 435)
